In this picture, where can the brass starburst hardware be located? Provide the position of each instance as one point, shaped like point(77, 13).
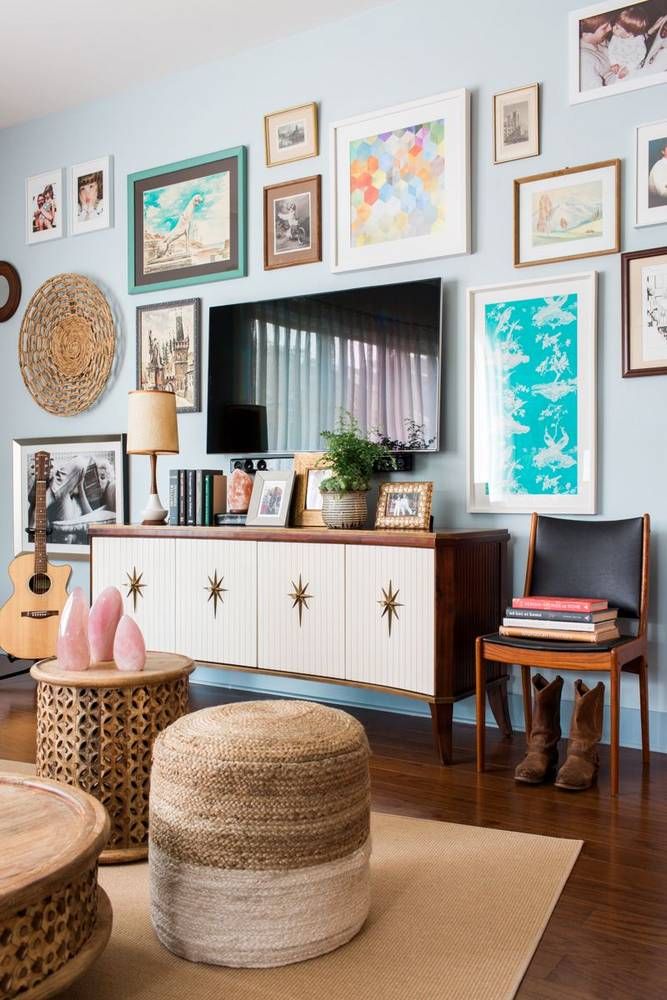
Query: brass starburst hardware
point(300, 597)
point(135, 586)
point(390, 604)
point(215, 591)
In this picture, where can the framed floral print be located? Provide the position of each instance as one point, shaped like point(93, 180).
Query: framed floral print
point(644, 312)
point(293, 223)
point(291, 135)
point(532, 396)
point(651, 174)
point(516, 124)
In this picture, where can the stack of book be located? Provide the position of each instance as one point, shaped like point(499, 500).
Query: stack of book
point(196, 496)
point(575, 619)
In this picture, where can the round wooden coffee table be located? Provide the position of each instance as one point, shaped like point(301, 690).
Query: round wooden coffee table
point(54, 918)
point(96, 729)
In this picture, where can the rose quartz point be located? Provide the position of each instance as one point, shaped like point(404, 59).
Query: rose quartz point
point(103, 621)
point(72, 646)
point(129, 648)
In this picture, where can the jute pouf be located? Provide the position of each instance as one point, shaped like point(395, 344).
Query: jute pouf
point(259, 833)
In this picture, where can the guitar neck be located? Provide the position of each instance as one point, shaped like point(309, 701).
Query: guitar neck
point(41, 472)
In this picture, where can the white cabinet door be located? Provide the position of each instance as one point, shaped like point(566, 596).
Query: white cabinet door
point(216, 609)
point(390, 596)
point(301, 607)
point(143, 571)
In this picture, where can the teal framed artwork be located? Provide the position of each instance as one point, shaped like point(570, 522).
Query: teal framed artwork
point(532, 396)
point(187, 222)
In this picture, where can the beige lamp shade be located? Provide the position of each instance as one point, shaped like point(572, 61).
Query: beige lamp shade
point(151, 423)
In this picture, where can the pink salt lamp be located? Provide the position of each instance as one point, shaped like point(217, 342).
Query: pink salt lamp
point(102, 623)
point(129, 648)
point(72, 646)
point(239, 490)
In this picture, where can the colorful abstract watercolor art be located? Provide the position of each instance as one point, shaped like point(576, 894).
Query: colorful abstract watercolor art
point(397, 184)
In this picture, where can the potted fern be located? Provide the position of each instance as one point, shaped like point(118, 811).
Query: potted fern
point(352, 458)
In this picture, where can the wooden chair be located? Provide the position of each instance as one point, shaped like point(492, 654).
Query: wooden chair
point(569, 558)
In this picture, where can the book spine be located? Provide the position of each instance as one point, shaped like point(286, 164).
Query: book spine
point(199, 496)
point(182, 492)
point(190, 497)
point(547, 616)
point(557, 626)
point(208, 499)
point(546, 633)
point(173, 496)
point(558, 604)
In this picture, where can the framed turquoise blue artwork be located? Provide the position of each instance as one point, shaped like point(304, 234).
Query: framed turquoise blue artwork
point(187, 222)
point(531, 396)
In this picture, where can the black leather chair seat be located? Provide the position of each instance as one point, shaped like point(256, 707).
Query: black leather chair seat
point(554, 646)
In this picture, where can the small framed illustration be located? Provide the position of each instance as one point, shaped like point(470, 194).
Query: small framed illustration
point(293, 223)
point(516, 124)
point(400, 190)
point(310, 474)
point(405, 506)
point(615, 47)
point(169, 351)
point(91, 196)
point(291, 135)
point(187, 222)
point(651, 172)
point(45, 207)
point(271, 498)
point(567, 214)
point(532, 396)
point(644, 298)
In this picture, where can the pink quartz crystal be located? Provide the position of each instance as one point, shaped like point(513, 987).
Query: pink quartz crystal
point(239, 488)
point(129, 648)
point(102, 623)
point(72, 646)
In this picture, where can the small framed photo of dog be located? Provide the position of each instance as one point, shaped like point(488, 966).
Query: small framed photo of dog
point(293, 223)
point(405, 506)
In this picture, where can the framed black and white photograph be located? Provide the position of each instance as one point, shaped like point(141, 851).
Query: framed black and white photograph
point(44, 207)
point(516, 124)
point(169, 351)
point(644, 312)
point(87, 484)
point(271, 499)
point(291, 135)
point(404, 505)
point(91, 196)
point(651, 174)
point(293, 223)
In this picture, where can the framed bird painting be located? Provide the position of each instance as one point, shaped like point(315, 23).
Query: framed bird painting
point(187, 222)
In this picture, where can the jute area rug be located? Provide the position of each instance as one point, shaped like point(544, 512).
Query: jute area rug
point(457, 914)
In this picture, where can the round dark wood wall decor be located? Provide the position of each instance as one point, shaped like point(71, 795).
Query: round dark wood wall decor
point(9, 306)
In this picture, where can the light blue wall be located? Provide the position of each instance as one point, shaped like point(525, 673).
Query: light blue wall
point(407, 50)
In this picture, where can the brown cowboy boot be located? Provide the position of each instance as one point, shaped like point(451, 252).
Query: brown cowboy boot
point(582, 763)
point(541, 758)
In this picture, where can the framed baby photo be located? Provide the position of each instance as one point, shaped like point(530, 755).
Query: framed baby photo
point(516, 124)
point(651, 174)
point(90, 196)
point(45, 207)
point(567, 214)
point(644, 315)
point(293, 223)
point(615, 47)
point(404, 506)
point(291, 135)
point(169, 351)
point(310, 473)
point(271, 498)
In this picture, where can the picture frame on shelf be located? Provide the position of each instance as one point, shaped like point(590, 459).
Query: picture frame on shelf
point(169, 350)
point(187, 222)
point(45, 206)
point(644, 312)
point(390, 202)
point(532, 415)
point(291, 134)
point(309, 474)
point(293, 223)
point(404, 506)
point(91, 196)
point(516, 124)
point(651, 174)
point(88, 484)
point(271, 499)
point(567, 214)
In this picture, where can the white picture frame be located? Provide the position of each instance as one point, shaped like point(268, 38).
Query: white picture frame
point(88, 215)
point(648, 136)
point(45, 213)
point(366, 248)
point(528, 449)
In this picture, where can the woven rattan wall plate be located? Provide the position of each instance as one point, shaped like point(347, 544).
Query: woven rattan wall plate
point(66, 344)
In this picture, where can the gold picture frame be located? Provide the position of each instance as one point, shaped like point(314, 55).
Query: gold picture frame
point(404, 506)
point(514, 112)
point(291, 134)
point(307, 469)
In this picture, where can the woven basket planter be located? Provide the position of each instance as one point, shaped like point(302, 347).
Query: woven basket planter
point(259, 833)
point(344, 510)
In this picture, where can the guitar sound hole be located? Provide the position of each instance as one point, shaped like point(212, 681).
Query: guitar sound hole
point(40, 583)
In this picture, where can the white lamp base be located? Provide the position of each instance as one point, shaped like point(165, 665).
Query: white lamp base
point(154, 512)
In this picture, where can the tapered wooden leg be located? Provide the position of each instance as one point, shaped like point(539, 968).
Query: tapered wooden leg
point(643, 705)
point(527, 699)
point(615, 700)
point(497, 695)
point(480, 702)
point(441, 719)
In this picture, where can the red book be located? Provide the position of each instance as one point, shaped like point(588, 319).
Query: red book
point(561, 603)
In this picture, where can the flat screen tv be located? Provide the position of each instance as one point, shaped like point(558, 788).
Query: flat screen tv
point(282, 370)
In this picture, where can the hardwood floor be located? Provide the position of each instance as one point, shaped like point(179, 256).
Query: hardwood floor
point(608, 935)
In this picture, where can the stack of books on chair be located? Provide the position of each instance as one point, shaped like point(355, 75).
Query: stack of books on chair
point(570, 619)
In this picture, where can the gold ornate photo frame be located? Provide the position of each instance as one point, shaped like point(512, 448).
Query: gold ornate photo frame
point(404, 506)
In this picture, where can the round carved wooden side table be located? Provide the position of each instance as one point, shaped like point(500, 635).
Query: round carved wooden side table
point(54, 918)
point(96, 729)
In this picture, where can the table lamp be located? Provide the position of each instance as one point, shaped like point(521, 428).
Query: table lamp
point(152, 430)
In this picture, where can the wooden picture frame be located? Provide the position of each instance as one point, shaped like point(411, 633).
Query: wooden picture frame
point(523, 148)
point(571, 209)
point(10, 304)
point(651, 172)
point(291, 134)
point(271, 499)
point(416, 499)
point(166, 366)
point(293, 223)
point(644, 312)
point(307, 468)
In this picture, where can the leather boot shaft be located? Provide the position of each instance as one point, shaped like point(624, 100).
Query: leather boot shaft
point(582, 763)
point(541, 758)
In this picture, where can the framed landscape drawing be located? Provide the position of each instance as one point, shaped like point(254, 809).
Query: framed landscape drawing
point(187, 222)
point(169, 351)
point(293, 223)
point(45, 207)
point(567, 214)
point(516, 124)
point(651, 174)
point(400, 184)
point(291, 135)
point(532, 396)
point(91, 196)
point(615, 47)
point(644, 297)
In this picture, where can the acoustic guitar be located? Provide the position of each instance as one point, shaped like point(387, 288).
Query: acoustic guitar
point(29, 620)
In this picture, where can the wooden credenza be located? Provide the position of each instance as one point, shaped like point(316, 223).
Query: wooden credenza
point(397, 611)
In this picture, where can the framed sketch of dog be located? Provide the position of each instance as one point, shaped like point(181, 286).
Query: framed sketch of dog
point(187, 222)
point(292, 223)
